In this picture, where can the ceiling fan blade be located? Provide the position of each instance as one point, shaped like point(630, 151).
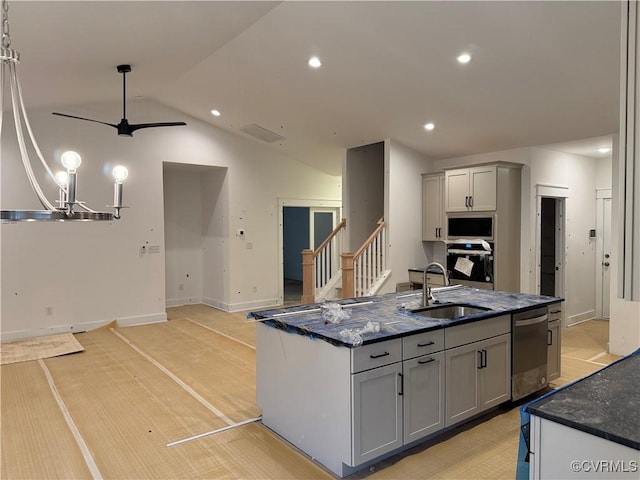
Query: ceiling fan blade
point(82, 118)
point(138, 126)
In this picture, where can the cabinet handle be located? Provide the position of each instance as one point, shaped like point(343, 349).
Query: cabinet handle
point(401, 392)
point(466, 201)
point(480, 360)
point(471, 202)
point(549, 337)
point(556, 311)
point(428, 360)
point(379, 355)
point(425, 344)
point(483, 359)
point(436, 232)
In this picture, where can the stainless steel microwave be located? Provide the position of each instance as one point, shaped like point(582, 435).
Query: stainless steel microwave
point(470, 227)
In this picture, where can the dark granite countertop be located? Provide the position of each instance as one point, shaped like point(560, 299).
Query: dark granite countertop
point(605, 404)
point(394, 313)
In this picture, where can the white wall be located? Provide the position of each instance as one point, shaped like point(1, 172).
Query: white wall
point(549, 167)
point(92, 273)
point(183, 218)
point(364, 192)
point(403, 210)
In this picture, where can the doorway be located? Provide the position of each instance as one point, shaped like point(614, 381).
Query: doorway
point(550, 243)
point(548, 261)
point(603, 253)
point(304, 224)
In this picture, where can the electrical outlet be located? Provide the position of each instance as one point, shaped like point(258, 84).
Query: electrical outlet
point(181, 287)
point(255, 289)
point(48, 311)
point(249, 246)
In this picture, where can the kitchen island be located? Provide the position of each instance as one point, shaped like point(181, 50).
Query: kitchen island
point(351, 400)
point(591, 428)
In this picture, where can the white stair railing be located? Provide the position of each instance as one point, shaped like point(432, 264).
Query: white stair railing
point(321, 268)
point(367, 268)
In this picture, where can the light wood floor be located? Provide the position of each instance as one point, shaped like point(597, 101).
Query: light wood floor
point(111, 410)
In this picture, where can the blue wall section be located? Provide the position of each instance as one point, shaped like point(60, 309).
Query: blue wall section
point(295, 230)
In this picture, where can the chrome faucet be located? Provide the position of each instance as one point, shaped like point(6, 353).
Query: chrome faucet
point(426, 290)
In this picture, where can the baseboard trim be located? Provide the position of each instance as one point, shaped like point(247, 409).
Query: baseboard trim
point(142, 319)
point(178, 302)
point(41, 332)
point(581, 318)
point(240, 307)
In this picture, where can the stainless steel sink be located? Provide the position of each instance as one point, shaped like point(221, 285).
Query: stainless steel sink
point(450, 311)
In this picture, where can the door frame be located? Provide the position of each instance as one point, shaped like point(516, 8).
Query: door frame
point(560, 193)
point(601, 195)
point(312, 204)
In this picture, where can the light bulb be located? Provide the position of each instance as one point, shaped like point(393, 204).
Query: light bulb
point(314, 62)
point(120, 173)
point(429, 126)
point(62, 178)
point(464, 58)
point(71, 160)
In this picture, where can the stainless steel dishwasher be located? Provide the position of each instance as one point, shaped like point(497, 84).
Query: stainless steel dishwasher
point(529, 352)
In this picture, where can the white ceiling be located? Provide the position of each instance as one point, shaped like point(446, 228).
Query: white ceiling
point(541, 73)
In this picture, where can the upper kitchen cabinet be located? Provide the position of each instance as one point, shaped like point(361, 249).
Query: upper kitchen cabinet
point(471, 189)
point(433, 218)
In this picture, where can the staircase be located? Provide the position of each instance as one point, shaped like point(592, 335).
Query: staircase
point(357, 274)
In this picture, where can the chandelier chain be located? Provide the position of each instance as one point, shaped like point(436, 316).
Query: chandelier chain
point(6, 35)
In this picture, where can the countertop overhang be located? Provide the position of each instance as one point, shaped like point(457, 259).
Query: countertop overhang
point(394, 313)
point(605, 404)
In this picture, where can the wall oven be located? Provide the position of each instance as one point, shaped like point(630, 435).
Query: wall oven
point(470, 263)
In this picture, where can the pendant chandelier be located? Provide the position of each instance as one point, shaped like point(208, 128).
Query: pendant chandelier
point(68, 207)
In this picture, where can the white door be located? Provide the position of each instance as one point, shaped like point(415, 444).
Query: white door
point(606, 256)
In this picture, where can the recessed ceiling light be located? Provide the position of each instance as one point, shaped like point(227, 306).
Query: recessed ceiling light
point(215, 113)
point(464, 58)
point(429, 126)
point(314, 62)
point(604, 150)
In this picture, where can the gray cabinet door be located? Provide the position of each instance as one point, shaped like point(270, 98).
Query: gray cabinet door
point(423, 396)
point(376, 412)
point(457, 190)
point(495, 374)
point(553, 353)
point(482, 188)
point(432, 207)
point(461, 384)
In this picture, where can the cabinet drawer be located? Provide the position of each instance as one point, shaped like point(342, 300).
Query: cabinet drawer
point(475, 331)
point(555, 311)
point(376, 355)
point(422, 343)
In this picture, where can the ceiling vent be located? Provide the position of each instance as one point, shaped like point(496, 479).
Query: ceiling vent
point(256, 131)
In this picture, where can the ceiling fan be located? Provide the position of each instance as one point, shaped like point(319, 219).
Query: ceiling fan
point(124, 127)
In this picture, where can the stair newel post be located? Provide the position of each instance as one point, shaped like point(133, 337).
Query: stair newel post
point(308, 277)
point(347, 275)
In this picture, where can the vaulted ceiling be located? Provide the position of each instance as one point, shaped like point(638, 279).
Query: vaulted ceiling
point(541, 72)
